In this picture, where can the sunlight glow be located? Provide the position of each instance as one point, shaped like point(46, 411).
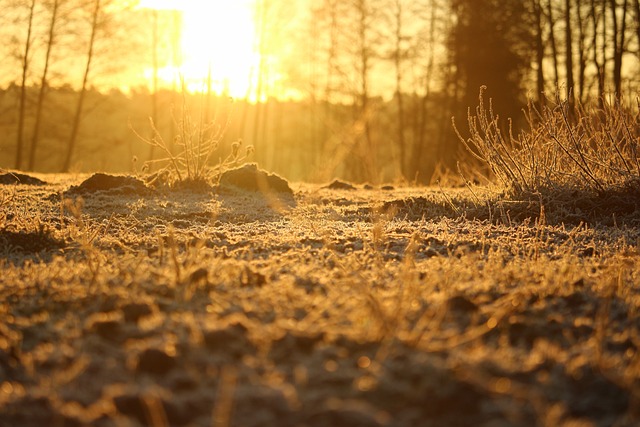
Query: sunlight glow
point(217, 45)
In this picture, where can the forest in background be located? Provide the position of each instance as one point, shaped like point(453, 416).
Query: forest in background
point(370, 86)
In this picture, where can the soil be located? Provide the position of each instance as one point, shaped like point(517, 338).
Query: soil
point(253, 304)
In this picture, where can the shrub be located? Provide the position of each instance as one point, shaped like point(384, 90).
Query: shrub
point(592, 150)
point(196, 142)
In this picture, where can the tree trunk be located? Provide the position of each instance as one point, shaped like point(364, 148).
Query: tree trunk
point(83, 90)
point(43, 87)
point(599, 66)
point(582, 53)
point(637, 9)
point(397, 61)
point(154, 94)
point(419, 146)
point(619, 30)
point(537, 10)
point(23, 89)
point(554, 45)
point(569, 56)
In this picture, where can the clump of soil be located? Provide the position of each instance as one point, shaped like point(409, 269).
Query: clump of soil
point(20, 178)
point(336, 184)
point(29, 242)
point(250, 178)
point(113, 183)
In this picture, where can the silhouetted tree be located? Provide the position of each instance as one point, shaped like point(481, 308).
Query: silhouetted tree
point(490, 46)
point(23, 86)
point(75, 127)
point(50, 41)
point(619, 21)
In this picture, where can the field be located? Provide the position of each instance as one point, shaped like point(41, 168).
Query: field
point(248, 305)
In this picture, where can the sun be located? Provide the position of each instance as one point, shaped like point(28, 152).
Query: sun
point(217, 45)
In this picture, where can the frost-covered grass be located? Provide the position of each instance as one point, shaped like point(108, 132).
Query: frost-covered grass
point(329, 308)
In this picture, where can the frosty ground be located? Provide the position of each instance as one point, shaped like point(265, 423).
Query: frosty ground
point(127, 304)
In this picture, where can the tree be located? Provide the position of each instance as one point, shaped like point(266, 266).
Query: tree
point(569, 55)
point(43, 84)
point(23, 87)
point(490, 47)
point(636, 4)
point(554, 45)
point(75, 127)
point(619, 42)
point(597, 20)
point(539, 44)
point(398, 55)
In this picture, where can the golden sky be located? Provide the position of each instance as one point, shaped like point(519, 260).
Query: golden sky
point(218, 37)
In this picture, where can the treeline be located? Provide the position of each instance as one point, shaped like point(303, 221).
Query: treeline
point(436, 54)
point(376, 82)
point(278, 131)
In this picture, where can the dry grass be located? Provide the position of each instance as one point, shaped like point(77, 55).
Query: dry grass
point(371, 308)
point(190, 159)
point(581, 158)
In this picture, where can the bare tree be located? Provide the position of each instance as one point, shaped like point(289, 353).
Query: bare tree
point(568, 34)
point(636, 5)
point(83, 89)
point(537, 12)
point(582, 51)
point(597, 20)
point(43, 84)
point(398, 55)
point(554, 45)
point(619, 42)
point(23, 87)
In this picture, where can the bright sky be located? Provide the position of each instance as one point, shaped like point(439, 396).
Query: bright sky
point(218, 37)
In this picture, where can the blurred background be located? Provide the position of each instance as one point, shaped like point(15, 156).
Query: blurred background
point(364, 90)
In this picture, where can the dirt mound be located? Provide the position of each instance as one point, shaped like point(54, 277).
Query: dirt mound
point(20, 178)
point(112, 183)
point(336, 184)
point(249, 177)
point(29, 242)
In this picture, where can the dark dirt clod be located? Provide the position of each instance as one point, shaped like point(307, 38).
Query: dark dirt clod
point(336, 184)
point(155, 361)
point(131, 405)
point(105, 325)
point(249, 177)
point(233, 340)
point(20, 178)
point(118, 184)
point(29, 242)
point(135, 311)
point(461, 303)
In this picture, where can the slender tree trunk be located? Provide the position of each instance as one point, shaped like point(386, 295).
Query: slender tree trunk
point(328, 90)
point(23, 89)
point(259, 107)
point(368, 151)
point(636, 4)
point(154, 94)
point(596, 16)
point(397, 61)
point(569, 56)
point(537, 10)
point(554, 45)
point(582, 53)
point(419, 146)
point(83, 90)
point(619, 30)
point(43, 87)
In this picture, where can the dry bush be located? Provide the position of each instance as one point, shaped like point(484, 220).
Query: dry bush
point(589, 150)
point(196, 142)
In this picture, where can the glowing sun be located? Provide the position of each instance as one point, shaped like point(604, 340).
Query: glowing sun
point(217, 44)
